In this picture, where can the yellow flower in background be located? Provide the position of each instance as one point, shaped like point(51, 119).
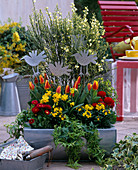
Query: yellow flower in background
point(56, 97)
point(60, 110)
point(79, 109)
point(72, 90)
point(72, 104)
point(109, 112)
point(64, 97)
point(20, 47)
point(16, 37)
point(45, 98)
point(62, 116)
point(54, 114)
point(98, 118)
point(56, 109)
point(48, 93)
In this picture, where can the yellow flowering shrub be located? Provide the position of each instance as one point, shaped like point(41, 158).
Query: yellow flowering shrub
point(12, 45)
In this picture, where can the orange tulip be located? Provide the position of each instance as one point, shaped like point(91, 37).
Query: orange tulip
point(41, 79)
point(47, 85)
point(31, 86)
point(75, 85)
point(95, 85)
point(45, 76)
point(58, 90)
point(79, 80)
point(89, 85)
point(67, 89)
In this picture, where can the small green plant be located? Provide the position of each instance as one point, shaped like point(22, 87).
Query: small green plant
point(72, 135)
point(69, 135)
point(15, 129)
point(125, 154)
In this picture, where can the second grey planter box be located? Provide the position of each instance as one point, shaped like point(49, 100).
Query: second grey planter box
point(38, 138)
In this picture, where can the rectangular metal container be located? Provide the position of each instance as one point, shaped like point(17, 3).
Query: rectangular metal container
point(34, 164)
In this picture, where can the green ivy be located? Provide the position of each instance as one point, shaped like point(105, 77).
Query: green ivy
point(125, 154)
point(72, 136)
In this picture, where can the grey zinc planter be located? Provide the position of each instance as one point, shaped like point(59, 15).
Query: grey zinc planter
point(38, 138)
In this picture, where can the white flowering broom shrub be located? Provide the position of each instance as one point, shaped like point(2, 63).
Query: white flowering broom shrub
point(61, 37)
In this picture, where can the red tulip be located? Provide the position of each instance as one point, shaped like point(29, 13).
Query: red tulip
point(58, 90)
point(47, 112)
point(67, 89)
point(36, 80)
point(31, 86)
point(95, 85)
point(89, 85)
point(79, 80)
point(47, 85)
point(41, 79)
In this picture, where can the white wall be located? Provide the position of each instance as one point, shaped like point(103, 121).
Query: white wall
point(23, 8)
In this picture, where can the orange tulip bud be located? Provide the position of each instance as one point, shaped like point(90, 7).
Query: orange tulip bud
point(79, 80)
point(31, 86)
point(41, 79)
point(58, 90)
point(95, 85)
point(35, 80)
point(67, 89)
point(47, 85)
point(89, 85)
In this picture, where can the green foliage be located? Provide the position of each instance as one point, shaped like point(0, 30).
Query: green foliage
point(15, 129)
point(60, 38)
point(92, 6)
point(125, 154)
point(72, 135)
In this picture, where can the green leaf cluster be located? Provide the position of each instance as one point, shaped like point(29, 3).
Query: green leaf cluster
point(15, 129)
point(74, 136)
point(125, 154)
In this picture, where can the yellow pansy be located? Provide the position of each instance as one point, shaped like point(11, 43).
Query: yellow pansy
point(105, 113)
point(72, 104)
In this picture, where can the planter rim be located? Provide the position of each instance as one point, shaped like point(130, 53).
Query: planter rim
point(28, 128)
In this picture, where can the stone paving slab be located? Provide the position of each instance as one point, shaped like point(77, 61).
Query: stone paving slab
point(129, 126)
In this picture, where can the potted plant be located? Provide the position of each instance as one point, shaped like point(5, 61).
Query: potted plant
point(51, 106)
point(59, 101)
